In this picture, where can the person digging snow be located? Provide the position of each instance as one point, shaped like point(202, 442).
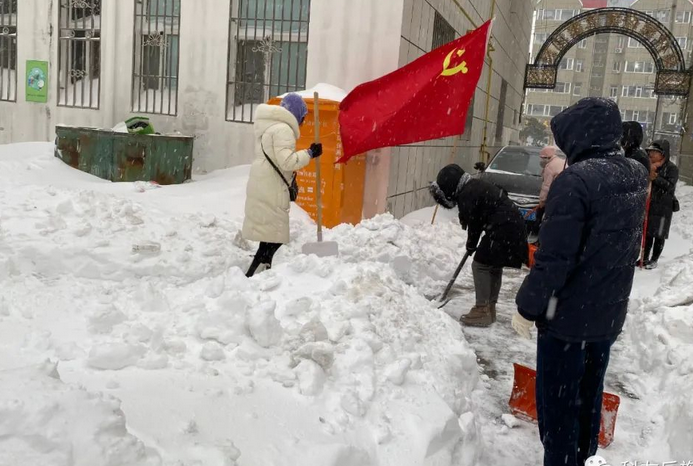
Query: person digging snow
point(663, 175)
point(577, 292)
point(484, 208)
point(276, 159)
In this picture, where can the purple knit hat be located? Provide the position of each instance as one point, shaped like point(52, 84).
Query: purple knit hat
point(295, 104)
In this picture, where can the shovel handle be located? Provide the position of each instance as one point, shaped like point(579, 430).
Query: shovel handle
point(454, 277)
point(318, 182)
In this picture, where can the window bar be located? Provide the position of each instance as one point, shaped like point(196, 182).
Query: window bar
point(177, 79)
point(291, 34)
point(139, 55)
point(232, 78)
point(228, 62)
point(80, 76)
point(167, 58)
point(298, 45)
point(70, 54)
point(305, 53)
point(267, 78)
point(148, 57)
point(161, 44)
point(278, 83)
point(92, 42)
point(141, 40)
point(251, 84)
point(134, 55)
point(175, 33)
point(4, 40)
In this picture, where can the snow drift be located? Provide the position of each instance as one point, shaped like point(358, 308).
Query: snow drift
point(139, 296)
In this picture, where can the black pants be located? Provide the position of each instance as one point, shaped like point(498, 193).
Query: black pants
point(570, 386)
point(655, 246)
point(487, 283)
point(264, 255)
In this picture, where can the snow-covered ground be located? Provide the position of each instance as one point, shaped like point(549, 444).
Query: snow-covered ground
point(129, 335)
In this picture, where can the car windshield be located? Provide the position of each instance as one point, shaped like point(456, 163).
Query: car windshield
point(517, 160)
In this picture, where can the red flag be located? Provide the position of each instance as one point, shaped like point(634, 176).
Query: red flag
point(427, 99)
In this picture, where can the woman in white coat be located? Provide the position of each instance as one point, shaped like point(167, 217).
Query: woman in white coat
point(276, 159)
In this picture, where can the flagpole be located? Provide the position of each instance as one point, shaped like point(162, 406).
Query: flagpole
point(452, 159)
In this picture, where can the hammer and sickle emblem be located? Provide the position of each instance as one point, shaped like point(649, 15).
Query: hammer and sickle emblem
point(461, 68)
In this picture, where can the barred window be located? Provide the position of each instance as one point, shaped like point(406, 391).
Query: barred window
point(442, 32)
point(156, 57)
point(8, 50)
point(268, 53)
point(79, 53)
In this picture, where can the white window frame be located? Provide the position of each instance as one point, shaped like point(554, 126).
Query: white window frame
point(674, 117)
point(569, 64)
point(579, 66)
point(613, 92)
point(577, 89)
point(634, 44)
point(582, 44)
point(566, 88)
point(685, 17)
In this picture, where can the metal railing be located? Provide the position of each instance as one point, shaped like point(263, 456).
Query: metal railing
point(156, 57)
point(267, 53)
point(79, 53)
point(8, 50)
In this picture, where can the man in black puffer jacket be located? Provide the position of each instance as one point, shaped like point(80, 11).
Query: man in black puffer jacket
point(578, 291)
point(484, 208)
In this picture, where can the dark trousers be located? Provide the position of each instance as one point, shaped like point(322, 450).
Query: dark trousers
point(655, 246)
point(265, 254)
point(487, 283)
point(570, 386)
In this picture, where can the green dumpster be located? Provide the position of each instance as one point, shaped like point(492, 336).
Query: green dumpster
point(126, 157)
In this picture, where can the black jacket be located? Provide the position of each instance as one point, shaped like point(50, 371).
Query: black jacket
point(632, 142)
point(663, 192)
point(485, 208)
point(579, 287)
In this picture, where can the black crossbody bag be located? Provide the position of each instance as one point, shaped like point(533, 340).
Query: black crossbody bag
point(293, 187)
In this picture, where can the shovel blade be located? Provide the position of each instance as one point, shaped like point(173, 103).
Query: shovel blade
point(524, 406)
point(321, 249)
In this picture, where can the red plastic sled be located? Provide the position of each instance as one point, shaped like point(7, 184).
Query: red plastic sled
point(523, 403)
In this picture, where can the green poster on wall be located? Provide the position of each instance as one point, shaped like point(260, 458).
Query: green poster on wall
point(37, 81)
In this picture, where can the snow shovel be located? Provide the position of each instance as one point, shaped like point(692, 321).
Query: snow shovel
point(523, 403)
point(644, 231)
point(320, 248)
point(443, 298)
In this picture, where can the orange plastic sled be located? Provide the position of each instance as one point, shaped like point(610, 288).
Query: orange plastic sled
point(523, 403)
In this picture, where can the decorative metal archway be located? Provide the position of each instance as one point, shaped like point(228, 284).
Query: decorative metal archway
point(672, 76)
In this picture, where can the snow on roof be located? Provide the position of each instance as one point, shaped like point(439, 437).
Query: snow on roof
point(326, 92)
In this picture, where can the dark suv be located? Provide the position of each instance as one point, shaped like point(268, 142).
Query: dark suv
point(517, 169)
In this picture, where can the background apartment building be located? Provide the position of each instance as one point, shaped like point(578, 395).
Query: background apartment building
point(201, 68)
point(614, 66)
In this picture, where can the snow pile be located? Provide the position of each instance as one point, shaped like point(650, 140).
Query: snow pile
point(413, 248)
point(141, 296)
point(45, 422)
point(325, 91)
point(661, 330)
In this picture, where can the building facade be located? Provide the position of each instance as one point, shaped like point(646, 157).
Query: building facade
point(613, 66)
point(201, 68)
